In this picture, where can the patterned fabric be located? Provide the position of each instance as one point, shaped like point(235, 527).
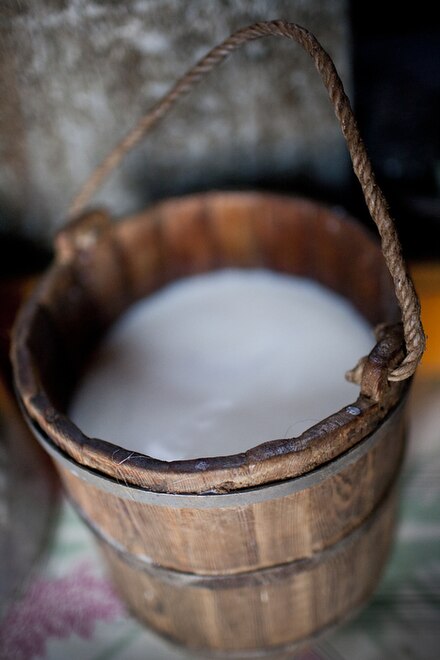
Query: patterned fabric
point(70, 610)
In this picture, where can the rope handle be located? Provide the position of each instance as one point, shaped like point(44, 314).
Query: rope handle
point(374, 198)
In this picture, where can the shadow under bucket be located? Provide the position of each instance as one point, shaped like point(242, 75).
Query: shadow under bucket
point(260, 551)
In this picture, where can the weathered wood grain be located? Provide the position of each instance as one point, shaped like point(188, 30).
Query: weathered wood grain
point(232, 539)
point(262, 610)
point(255, 571)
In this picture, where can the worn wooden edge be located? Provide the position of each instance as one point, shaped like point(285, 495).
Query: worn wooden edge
point(271, 461)
point(243, 497)
point(275, 460)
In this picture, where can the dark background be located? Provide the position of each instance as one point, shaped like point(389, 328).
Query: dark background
point(396, 72)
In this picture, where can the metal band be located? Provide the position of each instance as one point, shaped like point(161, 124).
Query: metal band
point(264, 575)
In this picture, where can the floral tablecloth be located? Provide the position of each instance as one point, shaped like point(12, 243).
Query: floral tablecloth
point(70, 610)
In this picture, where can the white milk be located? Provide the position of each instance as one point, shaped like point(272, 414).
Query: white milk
point(218, 363)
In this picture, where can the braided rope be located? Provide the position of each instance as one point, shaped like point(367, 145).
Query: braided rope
point(377, 206)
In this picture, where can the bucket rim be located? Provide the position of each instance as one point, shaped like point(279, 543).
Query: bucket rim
point(274, 460)
point(212, 499)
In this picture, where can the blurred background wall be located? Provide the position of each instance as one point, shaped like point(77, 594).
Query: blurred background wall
point(76, 74)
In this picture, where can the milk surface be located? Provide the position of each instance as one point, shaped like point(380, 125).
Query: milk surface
point(218, 363)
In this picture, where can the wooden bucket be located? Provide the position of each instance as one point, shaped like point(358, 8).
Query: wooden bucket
point(260, 551)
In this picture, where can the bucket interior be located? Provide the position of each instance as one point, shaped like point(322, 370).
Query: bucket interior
point(103, 266)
